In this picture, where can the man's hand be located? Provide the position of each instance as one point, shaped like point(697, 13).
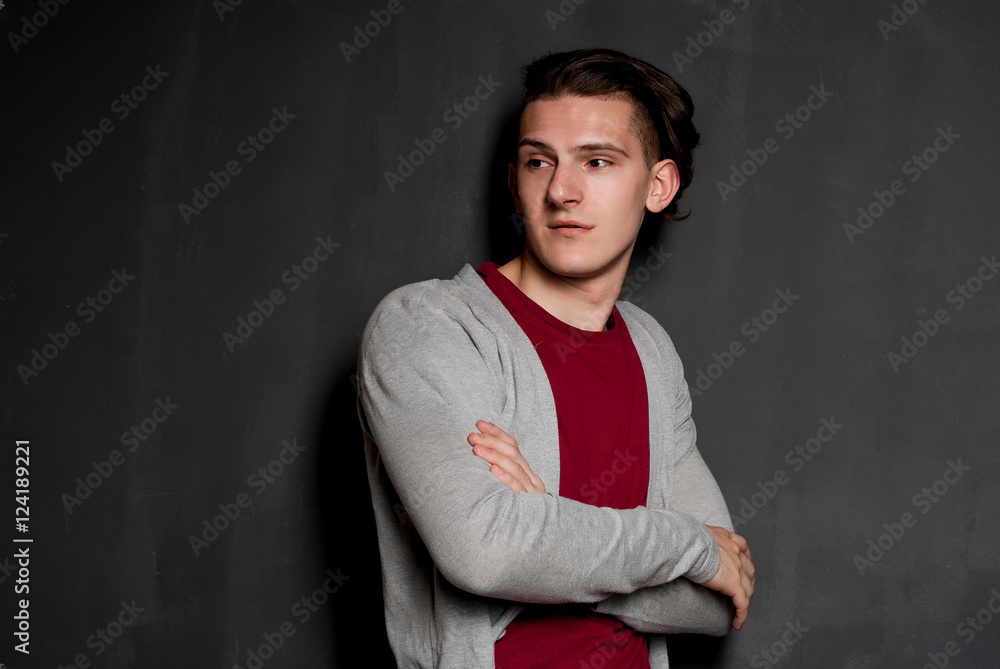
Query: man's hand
point(500, 450)
point(735, 577)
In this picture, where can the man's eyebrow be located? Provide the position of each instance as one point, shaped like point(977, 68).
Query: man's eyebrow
point(602, 146)
point(538, 144)
point(582, 148)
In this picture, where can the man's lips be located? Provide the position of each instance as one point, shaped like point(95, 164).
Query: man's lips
point(569, 228)
point(569, 224)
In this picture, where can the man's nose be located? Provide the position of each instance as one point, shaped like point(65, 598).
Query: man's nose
point(564, 188)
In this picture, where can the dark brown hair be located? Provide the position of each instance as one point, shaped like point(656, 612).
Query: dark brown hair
point(662, 109)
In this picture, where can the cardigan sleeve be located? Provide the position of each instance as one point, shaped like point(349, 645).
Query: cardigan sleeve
point(682, 605)
point(427, 372)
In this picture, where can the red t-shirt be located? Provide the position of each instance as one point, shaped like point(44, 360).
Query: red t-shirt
point(603, 416)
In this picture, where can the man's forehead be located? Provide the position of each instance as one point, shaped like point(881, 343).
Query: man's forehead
point(588, 122)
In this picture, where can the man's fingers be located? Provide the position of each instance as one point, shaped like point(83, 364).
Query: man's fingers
point(499, 448)
point(497, 442)
point(747, 571)
point(511, 472)
point(741, 601)
point(741, 617)
point(748, 588)
point(741, 542)
point(495, 457)
point(748, 565)
point(736, 572)
point(750, 571)
point(506, 478)
point(494, 431)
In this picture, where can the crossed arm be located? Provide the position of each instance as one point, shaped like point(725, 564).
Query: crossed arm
point(735, 578)
point(420, 397)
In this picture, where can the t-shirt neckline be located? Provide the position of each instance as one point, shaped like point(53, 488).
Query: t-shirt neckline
point(490, 271)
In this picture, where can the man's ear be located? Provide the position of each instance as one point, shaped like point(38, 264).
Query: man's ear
point(665, 179)
point(512, 184)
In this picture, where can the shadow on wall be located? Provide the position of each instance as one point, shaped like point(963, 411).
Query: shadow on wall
point(348, 528)
point(506, 237)
point(695, 651)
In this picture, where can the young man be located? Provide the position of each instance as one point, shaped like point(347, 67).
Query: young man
point(539, 497)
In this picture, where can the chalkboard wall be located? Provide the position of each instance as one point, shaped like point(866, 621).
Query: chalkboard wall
point(202, 203)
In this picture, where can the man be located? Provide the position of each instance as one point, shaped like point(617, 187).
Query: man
point(596, 527)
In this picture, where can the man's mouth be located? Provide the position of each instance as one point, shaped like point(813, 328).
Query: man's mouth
point(569, 228)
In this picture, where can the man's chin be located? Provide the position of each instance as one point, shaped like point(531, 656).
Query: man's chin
point(579, 262)
point(571, 268)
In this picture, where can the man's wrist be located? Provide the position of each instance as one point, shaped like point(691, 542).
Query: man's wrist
point(708, 567)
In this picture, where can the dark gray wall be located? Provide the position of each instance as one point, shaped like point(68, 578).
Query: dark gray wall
point(906, 424)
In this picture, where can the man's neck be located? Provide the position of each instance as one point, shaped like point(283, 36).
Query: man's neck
point(583, 303)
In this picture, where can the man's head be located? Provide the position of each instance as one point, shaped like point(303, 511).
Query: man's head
point(661, 108)
point(603, 139)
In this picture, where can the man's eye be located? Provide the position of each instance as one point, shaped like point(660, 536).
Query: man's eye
point(535, 163)
point(599, 162)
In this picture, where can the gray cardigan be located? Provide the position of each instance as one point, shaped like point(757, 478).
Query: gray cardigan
point(461, 551)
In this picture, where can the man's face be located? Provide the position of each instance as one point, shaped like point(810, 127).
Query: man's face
point(581, 184)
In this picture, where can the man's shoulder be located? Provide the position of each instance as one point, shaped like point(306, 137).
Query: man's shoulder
point(426, 297)
point(417, 296)
point(438, 306)
point(642, 321)
point(652, 342)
